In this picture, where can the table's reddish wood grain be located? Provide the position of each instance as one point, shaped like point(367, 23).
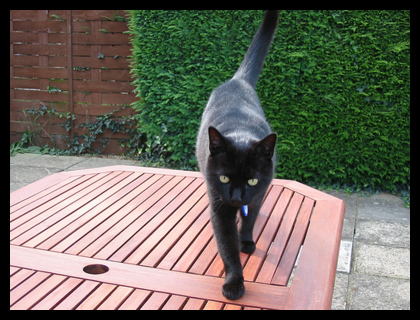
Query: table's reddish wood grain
point(150, 228)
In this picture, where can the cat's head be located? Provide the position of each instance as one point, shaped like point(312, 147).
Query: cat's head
point(237, 174)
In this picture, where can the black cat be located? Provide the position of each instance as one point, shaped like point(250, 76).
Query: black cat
point(236, 154)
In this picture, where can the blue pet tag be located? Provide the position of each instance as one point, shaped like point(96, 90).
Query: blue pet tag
point(245, 210)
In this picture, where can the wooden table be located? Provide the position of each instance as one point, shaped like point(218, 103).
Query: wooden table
point(126, 237)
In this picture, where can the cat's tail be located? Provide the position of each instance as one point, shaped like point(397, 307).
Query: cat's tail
point(253, 62)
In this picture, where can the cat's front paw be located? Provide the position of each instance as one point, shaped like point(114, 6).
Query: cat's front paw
point(248, 246)
point(234, 289)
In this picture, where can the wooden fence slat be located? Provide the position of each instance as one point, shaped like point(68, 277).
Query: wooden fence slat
point(105, 15)
point(101, 86)
point(109, 26)
point(107, 61)
point(40, 49)
point(40, 26)
point(24, 14)
point(43, 73)
point(101, 38)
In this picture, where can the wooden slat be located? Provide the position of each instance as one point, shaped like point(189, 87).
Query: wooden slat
point(195, 286)
point(13, 270)
point(169, 238)
point(30, 189)
point(77, 296)
point(105, 15)
point(312, 287)
point(39, 293)
point(175, 303)
point(102, 241)
point(280, 240)
point(135, 232)
point(62, 207)
point(116, 298)
point(75, 242)
point(155, 301)
point(267, 237)
point(41, 72)
point(63, 228)
point(19, 277)
point(24, 210)
point(39, 49)
point(24, 14)
point(101, 86)
point(291, 251)
point(27, 285)
point(46, 26)
point(58, 294)
point(135, 300)
point(96, 297)
point(194, 304)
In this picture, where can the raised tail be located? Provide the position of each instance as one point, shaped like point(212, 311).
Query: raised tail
point(253, 62)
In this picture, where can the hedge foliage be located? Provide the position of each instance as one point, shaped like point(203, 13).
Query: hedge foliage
point(335, 87)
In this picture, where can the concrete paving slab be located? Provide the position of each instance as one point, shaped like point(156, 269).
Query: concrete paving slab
point(20, 176)
point(378, 293)
point(339, 301)
point(28, 168)
point(386, 207)
point(382, 261)
point(59, 162)
point(89, 163)
point(24, 159)
point(386, 233)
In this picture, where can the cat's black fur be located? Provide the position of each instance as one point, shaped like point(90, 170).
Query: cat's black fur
point(235, 146)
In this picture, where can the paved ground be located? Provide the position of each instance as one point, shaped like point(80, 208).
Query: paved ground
point(374, 263)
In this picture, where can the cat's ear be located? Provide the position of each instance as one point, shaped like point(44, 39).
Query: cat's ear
point(265, 148)
point(217, 142)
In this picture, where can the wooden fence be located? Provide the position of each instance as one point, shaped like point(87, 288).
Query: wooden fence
point(72, 61)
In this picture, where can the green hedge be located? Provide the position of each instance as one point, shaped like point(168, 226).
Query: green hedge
point(335, 87)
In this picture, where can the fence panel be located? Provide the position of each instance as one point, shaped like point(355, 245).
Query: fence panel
point(71, 61)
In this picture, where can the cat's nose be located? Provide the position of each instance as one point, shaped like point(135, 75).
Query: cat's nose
point(236, 197)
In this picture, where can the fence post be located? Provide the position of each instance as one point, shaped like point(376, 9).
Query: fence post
point(70, 70)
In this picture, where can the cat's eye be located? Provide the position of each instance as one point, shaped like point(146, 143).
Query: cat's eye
point(224, 179)
point(252, 182)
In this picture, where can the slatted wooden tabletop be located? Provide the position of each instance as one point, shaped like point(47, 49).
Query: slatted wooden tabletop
point(127, 237)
